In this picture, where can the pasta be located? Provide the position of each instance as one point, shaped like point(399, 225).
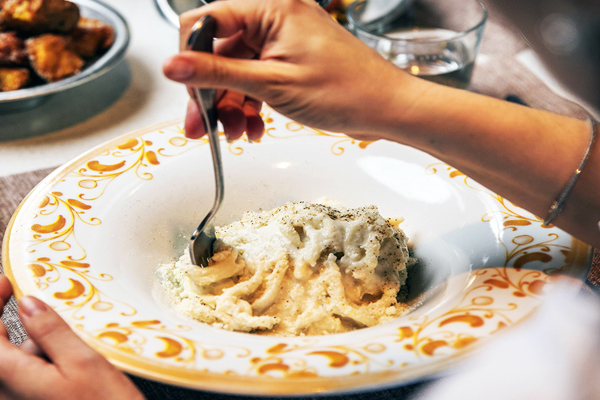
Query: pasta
point(300, 269)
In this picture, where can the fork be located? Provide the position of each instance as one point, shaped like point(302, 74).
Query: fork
point(201, 247)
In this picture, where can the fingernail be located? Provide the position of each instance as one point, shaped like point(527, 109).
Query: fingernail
point(31, 306)
point(180, 69)
point(227, 135)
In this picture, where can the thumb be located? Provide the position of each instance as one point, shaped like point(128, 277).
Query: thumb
point(51, 332)
point(250, 77)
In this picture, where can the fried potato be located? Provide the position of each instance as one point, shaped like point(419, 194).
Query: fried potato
point(46, 41)
point(90, 36)
point(13, 78)
point(51, 57)
point(12, 50)
point(39, 16)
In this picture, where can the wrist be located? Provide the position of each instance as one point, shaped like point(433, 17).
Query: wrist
point(409, 113)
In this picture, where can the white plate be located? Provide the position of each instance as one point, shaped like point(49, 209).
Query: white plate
point(89, 238)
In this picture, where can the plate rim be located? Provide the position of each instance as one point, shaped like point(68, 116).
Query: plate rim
point(53, 176)
point(255, 385)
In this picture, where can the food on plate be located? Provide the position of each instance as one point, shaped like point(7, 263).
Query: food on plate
point(49, 39)
point(92, 35)
point(12, 50)
point(300, 269)
point(39, 16)
point(13, 78)
point(51, 57)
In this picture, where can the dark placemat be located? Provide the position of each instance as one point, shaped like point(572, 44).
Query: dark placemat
point(498, 73)
point(154, 390)
point(12, 191)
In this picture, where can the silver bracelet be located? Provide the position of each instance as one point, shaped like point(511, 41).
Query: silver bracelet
point(559, 203)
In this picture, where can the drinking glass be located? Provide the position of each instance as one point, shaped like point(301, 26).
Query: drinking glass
point(433, 39)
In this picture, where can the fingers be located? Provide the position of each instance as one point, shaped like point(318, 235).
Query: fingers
point(236, 47)
point(54, 337)
point(194, 128)
point(255, 16)
point(255, 126)
point(17, 367)
point(208, 70)
point(5, 291)
point(3, 331)
point(231, 114)
point(237, 113)
point(32, 348)
point(229, 20)
point(270, 30)
point(10, 355)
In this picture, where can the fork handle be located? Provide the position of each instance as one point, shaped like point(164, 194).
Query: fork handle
point(201, 39)
point(209, 119)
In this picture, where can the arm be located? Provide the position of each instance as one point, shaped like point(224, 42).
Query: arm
point(309, 68)
point(525, 155)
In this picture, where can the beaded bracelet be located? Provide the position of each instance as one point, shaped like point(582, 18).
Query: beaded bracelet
point(559, 203)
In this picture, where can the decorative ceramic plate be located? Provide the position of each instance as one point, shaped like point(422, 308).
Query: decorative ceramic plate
point(90, 237)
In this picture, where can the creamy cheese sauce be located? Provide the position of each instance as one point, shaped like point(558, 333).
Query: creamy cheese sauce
point(300, 269)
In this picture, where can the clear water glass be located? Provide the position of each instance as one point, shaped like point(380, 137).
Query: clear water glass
point(437, 40)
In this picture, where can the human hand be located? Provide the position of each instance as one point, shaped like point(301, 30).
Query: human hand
point(54, 363)
point(292, 55)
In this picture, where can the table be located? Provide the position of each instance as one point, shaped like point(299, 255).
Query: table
point(135, 95)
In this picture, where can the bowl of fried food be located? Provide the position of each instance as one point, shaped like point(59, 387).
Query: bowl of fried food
point(48, 46)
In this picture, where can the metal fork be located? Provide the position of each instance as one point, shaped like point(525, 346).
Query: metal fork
point(203, 239)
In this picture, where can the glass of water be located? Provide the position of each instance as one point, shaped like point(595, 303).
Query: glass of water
point(433, 39)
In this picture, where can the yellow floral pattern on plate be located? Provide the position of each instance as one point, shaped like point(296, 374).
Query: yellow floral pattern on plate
point(61, 269)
